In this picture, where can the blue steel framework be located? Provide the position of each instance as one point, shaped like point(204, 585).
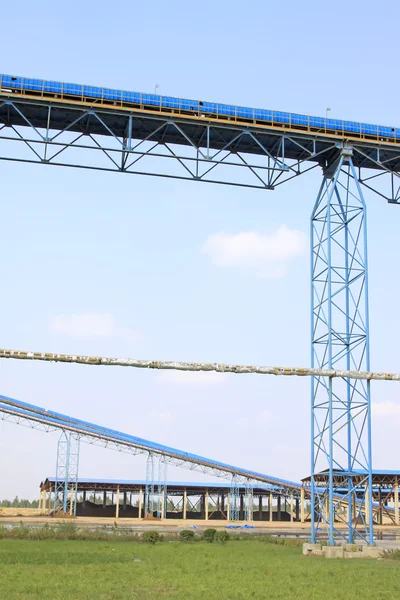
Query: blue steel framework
point(249, 148)
point(341, 417)
point(67, 471)
point(234, 499)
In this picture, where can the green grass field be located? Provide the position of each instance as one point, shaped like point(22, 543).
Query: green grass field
point(78, 570)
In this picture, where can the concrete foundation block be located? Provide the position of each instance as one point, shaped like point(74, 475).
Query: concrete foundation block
point(334, 552)
point(351, 547)
point(371, 552)
point(353, 555)
point(310, 549)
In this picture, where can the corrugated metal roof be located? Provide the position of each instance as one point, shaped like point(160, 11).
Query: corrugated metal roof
point(142, 482)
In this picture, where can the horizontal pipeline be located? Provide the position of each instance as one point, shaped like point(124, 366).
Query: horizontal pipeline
point(194, 366)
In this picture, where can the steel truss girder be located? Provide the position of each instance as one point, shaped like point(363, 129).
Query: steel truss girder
point(212, 157)
point(205, 151)
point(341, 408)
point(38, 420)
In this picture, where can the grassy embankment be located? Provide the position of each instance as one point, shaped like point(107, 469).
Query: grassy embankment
point(250, 568)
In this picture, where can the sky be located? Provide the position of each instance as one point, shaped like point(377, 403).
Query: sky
point(100, 263)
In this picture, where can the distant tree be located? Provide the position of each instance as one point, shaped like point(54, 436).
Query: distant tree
point(17, 503)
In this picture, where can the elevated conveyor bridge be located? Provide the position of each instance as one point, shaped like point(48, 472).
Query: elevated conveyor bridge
point(40, 418)
point(130, 132)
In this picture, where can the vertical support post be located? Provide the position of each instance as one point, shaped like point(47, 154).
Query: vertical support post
point(184, 504)
point(140, 503)
point(241, 512)
point(117, 504)
point(163, 503)
point(228, 506)
point(341, 408)
point(279, 500)
point(396, 502)
point(302, 505)
point(71, 501)
point(291, 507)
point(260, 507)
point(104, 499)
point(270, 507)
point(206, 506)
point(366, 509)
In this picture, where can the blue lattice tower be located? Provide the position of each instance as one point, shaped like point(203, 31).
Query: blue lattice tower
point(67, 469)
point(341, 417)
point(234, 499)
point(162, 488)
point(150, 500)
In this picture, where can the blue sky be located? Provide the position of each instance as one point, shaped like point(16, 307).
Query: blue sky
point(100, 263)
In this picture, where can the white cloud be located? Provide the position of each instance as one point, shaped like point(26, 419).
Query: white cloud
point(267, 254)
point(386, 409)
point(192, 377)
point(90, 325)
